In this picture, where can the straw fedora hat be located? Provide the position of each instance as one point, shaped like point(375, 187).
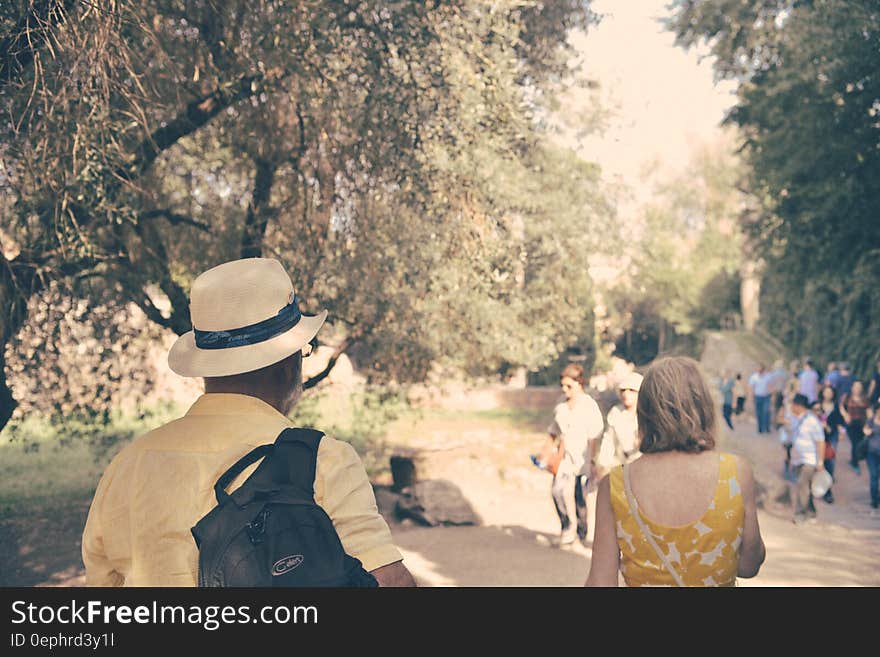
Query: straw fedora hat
point(245, 316)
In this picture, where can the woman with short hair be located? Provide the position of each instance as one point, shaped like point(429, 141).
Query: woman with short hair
point(683, 514)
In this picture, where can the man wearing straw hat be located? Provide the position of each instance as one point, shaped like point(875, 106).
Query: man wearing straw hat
point(248, 340)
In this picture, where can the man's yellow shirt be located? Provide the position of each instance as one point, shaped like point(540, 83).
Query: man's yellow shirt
point(159, 486)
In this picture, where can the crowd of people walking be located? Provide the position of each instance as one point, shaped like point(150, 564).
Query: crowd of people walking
point(814, 415)
point(670, 509)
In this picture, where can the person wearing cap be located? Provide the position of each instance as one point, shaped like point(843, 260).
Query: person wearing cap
point(622, 435)
point(807, 455)
point(248, 340)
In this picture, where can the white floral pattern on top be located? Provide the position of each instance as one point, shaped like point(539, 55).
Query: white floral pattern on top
point(705, 553)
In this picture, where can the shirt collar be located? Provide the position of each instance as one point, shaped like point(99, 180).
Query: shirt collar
point(228, 403)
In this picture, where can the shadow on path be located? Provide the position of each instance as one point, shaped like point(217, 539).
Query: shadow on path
point(43, 550)
point(490, 556)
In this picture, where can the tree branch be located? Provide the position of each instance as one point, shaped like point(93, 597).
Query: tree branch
point(176, 219)
point(258, 211)
point(180, 321)
point(344, 346)
point(196, 115)
point(145, 303)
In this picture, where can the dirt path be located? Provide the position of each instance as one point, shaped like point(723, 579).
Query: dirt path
point(44, 550)
point(513, 546)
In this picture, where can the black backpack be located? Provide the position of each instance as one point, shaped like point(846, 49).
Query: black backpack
point(270, 531)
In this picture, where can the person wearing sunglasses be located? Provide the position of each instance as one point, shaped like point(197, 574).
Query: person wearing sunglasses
point(577, 424)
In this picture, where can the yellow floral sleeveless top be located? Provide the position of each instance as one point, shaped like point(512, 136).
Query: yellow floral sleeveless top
point(704, 553)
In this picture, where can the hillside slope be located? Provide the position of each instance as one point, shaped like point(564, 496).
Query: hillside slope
point(739, 351)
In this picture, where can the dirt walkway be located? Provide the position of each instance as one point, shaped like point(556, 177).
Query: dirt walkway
point(512, 548)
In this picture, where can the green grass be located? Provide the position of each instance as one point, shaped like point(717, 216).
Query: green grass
point(51, 476)
point(44, 466)
point(513, 417)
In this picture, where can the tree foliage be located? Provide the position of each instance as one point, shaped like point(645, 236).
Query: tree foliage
point(685, 256)
point(389, 153)
point(809, 109)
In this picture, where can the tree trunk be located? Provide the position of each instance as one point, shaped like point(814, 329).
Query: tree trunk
point(13, 306)
point(259, 211)
point(7, 401)
point(750, 293)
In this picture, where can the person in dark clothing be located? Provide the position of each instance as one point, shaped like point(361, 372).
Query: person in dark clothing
point(854, 408)
point(844, 382)
point(872, 456)
point(828, 412)
point(739, 392)
point(726, 387)
point(874, 386)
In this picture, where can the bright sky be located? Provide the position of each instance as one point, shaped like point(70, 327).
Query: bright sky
point(662, 100)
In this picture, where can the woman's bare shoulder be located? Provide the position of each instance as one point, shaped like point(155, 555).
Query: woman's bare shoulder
point(743, 470)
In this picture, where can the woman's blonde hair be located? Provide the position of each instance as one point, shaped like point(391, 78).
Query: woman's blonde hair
point(675, 409)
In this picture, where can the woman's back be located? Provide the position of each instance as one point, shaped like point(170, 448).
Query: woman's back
point(682, 514)
point(692, 505)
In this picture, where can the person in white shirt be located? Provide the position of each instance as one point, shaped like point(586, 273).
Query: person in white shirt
point(807, 455)
point(577, 422)
point(620, 444)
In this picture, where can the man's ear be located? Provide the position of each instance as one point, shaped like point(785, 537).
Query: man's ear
point(293, 369)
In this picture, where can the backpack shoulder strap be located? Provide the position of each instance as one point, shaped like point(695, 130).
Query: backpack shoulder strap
point(291, 461)
point(295, 460)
